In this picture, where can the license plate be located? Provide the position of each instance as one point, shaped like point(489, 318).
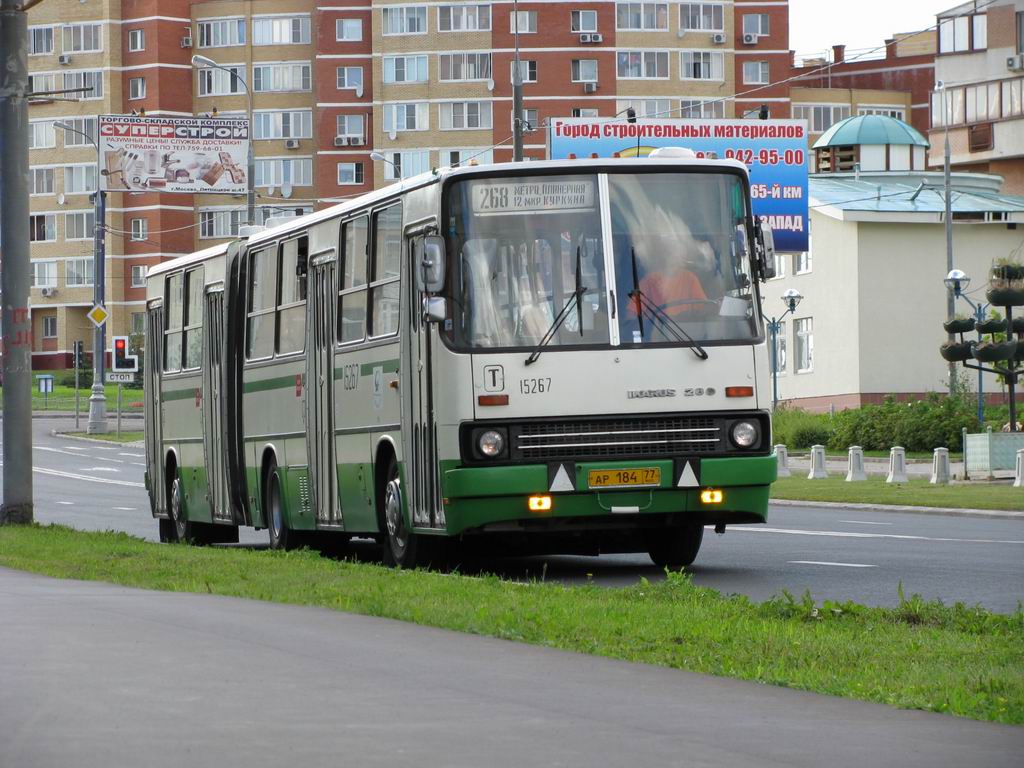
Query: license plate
point(624, 478)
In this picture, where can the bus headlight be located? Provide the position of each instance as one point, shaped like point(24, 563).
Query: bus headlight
point(744, 434)
point(491, 443)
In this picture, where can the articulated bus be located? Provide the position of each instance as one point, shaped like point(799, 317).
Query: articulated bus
point(544, 357)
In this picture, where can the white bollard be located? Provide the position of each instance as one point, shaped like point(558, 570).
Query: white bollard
point(782, 457)
point(1018, 475)
point(897, 465)
point(855, 465)
point(940, 467)
point(817, 463)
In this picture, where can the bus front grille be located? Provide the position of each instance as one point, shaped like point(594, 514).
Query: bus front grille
point(620, 438)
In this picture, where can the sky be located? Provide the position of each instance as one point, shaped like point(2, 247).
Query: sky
point(817, 25)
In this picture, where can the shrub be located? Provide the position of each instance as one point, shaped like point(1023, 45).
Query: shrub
point(797, 428)
point(936, 421)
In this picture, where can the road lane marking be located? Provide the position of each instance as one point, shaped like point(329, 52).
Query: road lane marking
point(125, 509)
point(79, 455)
point(863, 522)
point(72, 447)
point(87, 478)
point(137, 463)
point(100, 469)
point(67, 503)
point(133, 455)
point(825, 562)
point(852, 535)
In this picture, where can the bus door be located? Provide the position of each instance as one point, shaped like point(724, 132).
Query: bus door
point(419, 430)
point(154, 418)
point(321, 297)
point(214, 422)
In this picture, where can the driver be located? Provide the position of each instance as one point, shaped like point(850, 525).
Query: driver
point(669, 283)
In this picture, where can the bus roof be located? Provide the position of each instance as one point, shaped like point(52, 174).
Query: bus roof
point(439, 174)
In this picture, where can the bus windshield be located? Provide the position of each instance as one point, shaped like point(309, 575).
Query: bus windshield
point(523, 250)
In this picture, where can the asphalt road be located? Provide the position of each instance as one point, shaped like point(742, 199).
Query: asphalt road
point(99, 675)
point(837, 554)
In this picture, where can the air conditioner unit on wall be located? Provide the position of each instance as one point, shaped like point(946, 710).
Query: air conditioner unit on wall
point(341, 141)
point(595, 37)
point(48, 292)
point(186, 42)
point(590, 87)
point(356, 141)
point(749, 38)
point(291, 144)
point(64, 59)
point(718, 38)
point(585, 37)
point(1015, 63)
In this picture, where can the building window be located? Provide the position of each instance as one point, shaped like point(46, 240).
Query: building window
point(350, 173)
point(1012, 106)
point(463, 18)
point(406, 117)
point(804, 331)
point(755, 24)
point(464, 66)
point(705, 17)
point(527, 70)
point(140, 229)
point(780, 266)
point(982, 102)
point(138, 323)
point(779, 363)
point(348, 30)
point(584, 70)
point(139, 272)
point(40, 41)
point(898, 112)
point(280, 30)
point(42, 228)
point(350, 126)
point(279, 171)
point(44, 274)
point(79, 179)
point(699, 108)
point(41, 135)
point(646, 16)
point(955, 34)
point(350, 78)
point(136, 40)
point(821, 117)
point(802, 263)
point(1020, 33)
point(583, 21)
point(89, 83)
point(527, 22)
point(405, 20)
point(403, 165)
point(281, 77)
point(49, 326)
point(74, 138)
point(78, 273)
point(83, 38)
point(459, 115)
point(642, 65)
point(218, 224)
point(457, 157)
point(283, 124)
point(645, 107)
point(221, 33)
point(136, 87)
point(79, 226)
point(755, 72)
point(532, 119)
point(40, 84)
point(405, 69)
point(702, 65)
point(585, 112)
point(221, 82)
point(42, 181)
point(979, 31)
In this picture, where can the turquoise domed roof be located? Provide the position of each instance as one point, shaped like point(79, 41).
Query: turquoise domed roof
point(870, 129)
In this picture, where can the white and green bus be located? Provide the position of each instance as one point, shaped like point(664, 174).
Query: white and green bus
point(563, 356)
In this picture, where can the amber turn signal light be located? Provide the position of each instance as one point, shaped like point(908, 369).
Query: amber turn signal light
point(711, 496)
point(539, 503)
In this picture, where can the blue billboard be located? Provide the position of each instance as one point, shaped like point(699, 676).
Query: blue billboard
point(775, 152)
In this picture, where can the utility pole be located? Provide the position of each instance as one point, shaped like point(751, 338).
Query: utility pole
point(98, 397)
point(950, 300)
point(14, 276)
point(517, 94)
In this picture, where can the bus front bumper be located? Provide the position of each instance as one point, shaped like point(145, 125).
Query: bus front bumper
point(478, 498)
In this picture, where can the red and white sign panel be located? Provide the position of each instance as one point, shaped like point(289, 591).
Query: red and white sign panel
point(173, 154)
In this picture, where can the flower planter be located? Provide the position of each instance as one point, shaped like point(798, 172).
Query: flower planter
point(993, 325)
point(1008, 272)
point(957, 351)
point(1018, 325)
point(959, 325)
point(1005, 296)
point(987, 452)
point(995, 351)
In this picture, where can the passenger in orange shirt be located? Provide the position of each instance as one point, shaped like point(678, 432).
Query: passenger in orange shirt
point(670, 285)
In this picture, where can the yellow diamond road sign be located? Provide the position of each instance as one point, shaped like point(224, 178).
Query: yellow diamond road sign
point(98, 315)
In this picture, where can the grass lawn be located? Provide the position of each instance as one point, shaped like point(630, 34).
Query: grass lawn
point(126, 436)
point(63, 398)
point(958, 660)
point(918, 493)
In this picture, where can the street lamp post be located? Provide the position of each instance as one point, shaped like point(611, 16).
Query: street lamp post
point(202, 62)
point(950, 301)
point(956, 281)
point(98, 396)
point(791, 298)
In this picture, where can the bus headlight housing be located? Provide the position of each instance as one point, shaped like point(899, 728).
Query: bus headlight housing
point(491, 443)
point(744, 434)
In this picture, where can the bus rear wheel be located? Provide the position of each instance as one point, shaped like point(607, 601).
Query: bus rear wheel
point(401, 547)
point(281, 536)
point(677, 547)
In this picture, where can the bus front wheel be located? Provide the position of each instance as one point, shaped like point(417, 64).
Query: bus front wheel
point(676, 547)
point(400, 545)
point(281, 536)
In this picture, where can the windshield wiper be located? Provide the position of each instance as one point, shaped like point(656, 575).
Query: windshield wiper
point(557, 323)
point(667, 322)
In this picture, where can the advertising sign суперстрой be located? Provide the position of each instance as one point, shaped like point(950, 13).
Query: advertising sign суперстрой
point(775, 151)
point(173, 154)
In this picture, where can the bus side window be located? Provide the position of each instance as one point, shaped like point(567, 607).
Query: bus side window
point(261, 303)
point(352, 294)
point(291, 307)
point(194, 284)
point(387, 260)
point(174, 301)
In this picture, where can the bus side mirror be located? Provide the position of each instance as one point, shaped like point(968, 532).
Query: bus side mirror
point(430, 264)
point(435, 309)
point(765, 252)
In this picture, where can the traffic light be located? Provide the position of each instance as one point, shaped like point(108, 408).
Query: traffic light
point(123, 362)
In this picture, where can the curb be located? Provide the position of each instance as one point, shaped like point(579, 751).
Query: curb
point(84, 439)
point(1000, 514)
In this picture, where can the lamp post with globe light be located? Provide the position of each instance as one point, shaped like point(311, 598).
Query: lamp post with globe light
point(791, 298)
